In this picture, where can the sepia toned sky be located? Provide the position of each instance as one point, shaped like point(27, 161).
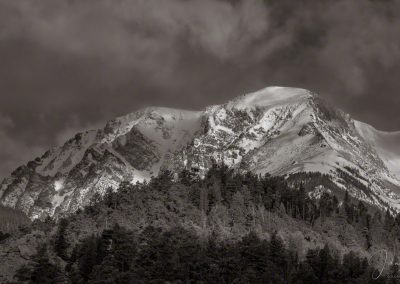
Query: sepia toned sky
point(69, 65)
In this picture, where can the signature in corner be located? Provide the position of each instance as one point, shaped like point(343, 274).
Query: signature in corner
point(380, 260)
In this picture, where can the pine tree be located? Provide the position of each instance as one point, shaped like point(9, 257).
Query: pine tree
point(394, 273)
point(277, 253)
point(61, 244)
point(185, 177)
point(88, 257)
point(346, 198)
point(24, 273)
point(389, 221)
point(327, 264)
point(43, 271)
point(4, 236)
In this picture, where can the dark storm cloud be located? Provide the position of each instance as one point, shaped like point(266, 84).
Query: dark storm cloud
point(68, 65)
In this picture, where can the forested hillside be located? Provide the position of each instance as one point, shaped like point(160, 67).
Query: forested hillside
point(179, 256)
point(225, 228)
point(10, 221)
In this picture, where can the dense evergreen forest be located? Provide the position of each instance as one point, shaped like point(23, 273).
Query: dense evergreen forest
point(225, 228)
point(10, 221)
point(178, 256)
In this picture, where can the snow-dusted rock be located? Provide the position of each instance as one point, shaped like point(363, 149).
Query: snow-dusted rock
point(276, 130)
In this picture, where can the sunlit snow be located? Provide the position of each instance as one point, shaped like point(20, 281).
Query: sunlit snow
point(58, 185)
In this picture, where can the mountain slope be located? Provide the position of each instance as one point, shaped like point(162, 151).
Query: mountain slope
point(385, 143)
point(275, 130)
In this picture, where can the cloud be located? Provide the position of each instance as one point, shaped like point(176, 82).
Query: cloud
point(74, 127)
point(68, 65)
point(6, 122)
point(10, 147)
point(137, 30)
point(362, 34)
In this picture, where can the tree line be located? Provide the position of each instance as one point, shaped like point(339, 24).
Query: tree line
point(177, 254)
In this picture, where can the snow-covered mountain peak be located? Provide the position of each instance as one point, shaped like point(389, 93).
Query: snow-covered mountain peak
point(276, 130)
point(270, 96)
point(149, 115)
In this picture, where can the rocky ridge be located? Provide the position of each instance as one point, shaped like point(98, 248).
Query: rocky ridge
point(276, 130)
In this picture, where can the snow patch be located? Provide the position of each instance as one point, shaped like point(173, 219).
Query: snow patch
point(270, 96)
point(58, 185)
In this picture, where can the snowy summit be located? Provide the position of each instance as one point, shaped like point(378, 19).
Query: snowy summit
point(276, 130)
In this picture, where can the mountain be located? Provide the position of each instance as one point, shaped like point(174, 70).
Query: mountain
point(385, 143)
point(276, 130)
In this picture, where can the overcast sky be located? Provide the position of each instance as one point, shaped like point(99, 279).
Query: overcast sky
point(68, 65)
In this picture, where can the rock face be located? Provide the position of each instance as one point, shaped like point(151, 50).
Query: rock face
point(275, 130)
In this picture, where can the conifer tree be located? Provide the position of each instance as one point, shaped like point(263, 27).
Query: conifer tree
point(61, 244)
point(41, 270)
